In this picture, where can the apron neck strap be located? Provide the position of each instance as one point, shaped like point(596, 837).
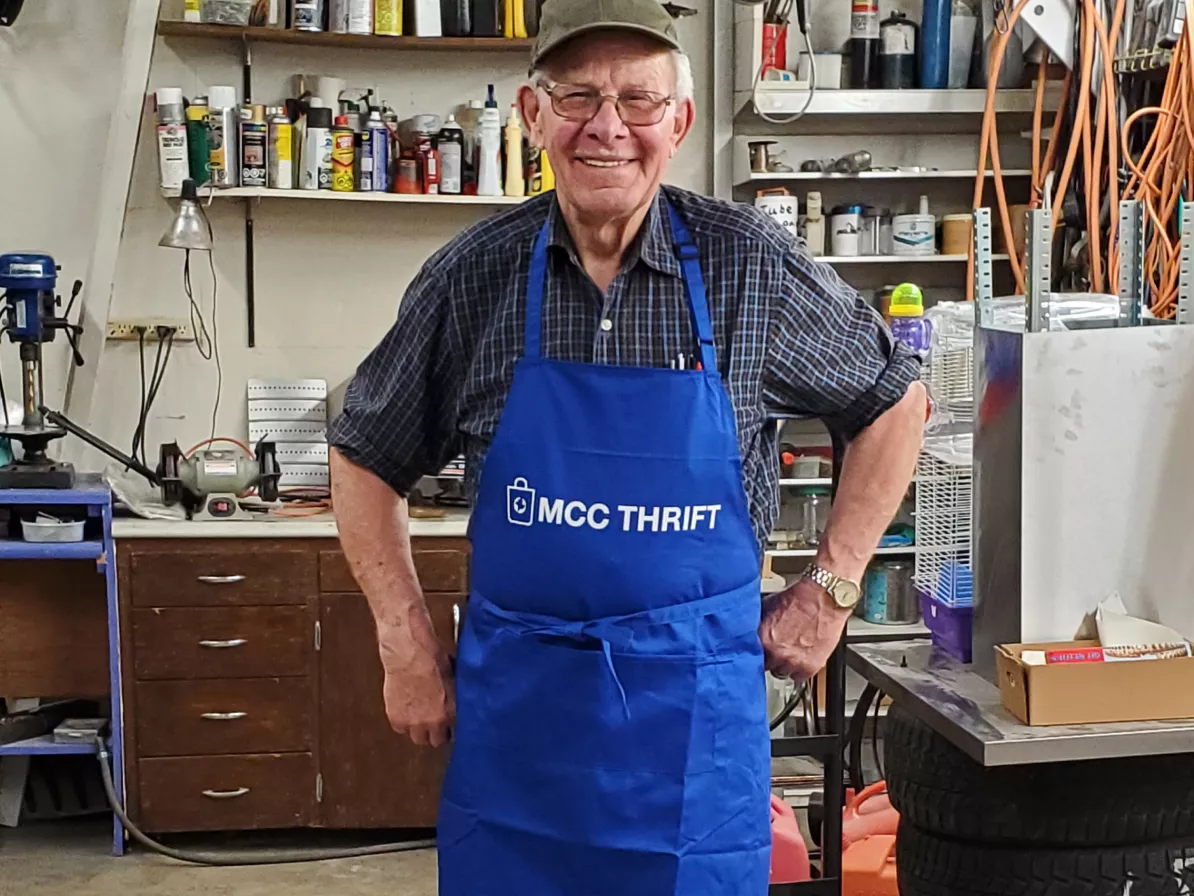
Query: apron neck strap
point(690, 268)
point(694, 285)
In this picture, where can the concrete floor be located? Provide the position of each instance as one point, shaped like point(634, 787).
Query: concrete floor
point(71, 858)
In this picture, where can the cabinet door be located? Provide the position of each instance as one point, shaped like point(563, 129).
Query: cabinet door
point(372, 777)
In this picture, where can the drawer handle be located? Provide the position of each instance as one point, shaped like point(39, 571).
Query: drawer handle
point(224, 716)
point(226, 794)
point(221, 580)
point(455, 624)
point(231, 642)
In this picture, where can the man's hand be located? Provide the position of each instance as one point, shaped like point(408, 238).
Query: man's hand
point(419, 693)
point(800, 628)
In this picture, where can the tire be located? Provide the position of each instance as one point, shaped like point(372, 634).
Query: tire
point(933, 866)
point(1101, 802)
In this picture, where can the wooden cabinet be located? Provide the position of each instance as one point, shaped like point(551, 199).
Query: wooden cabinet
point(253, 686)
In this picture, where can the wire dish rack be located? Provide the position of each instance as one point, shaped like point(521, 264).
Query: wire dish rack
point(944, 468)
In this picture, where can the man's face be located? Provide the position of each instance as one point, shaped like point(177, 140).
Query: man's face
point(604, 167)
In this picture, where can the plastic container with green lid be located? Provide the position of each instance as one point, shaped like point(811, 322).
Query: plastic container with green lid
point(908, 323)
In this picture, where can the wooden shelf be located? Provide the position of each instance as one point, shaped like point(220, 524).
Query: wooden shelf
point(331, 196)
point(168, 28)
point(881, 174)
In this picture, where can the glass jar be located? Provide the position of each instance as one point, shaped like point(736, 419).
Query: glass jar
point(813, 504)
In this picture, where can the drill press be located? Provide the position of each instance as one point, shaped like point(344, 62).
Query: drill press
point(27, 315)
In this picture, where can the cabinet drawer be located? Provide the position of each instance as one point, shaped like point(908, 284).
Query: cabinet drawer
point(212, 793)
point(438, 569)
point(222, 577)
point(222, 642)
point(250, 715)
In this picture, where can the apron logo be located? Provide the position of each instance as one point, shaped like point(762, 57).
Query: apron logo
point(524, 508)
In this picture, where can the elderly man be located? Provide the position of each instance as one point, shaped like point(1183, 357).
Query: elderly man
point(609, 356)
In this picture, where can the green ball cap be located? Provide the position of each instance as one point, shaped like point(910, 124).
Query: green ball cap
point(562, 20)
point(906, 301)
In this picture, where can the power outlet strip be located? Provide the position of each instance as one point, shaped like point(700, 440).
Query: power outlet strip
point(126, 330)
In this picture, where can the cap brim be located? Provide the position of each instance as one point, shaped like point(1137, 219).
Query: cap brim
point(542, 52)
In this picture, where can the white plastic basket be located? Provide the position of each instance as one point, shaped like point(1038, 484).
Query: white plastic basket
point(944, 478)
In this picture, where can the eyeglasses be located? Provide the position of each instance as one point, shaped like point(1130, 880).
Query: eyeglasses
point(636, 107)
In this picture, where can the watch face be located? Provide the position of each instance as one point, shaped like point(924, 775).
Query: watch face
point(845, 593)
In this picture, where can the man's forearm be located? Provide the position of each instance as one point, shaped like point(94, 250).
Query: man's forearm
point(375, 535)
point(877, 467)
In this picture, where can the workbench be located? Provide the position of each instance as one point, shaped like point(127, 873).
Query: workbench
point(965, 708)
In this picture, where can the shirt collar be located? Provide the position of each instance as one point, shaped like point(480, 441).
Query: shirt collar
point(653, 245)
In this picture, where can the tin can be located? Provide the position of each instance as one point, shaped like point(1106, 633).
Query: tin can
point(343, 155)
point(254, 135)
point(281, 150)
point(375, 158)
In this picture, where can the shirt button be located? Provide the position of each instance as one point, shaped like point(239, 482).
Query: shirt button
point(607, 325)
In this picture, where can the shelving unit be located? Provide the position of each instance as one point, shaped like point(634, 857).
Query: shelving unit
point(329, 195)
point(175, 29)
point(92, 495)
point(779, 102)
point(876, 174)
point(899, 259)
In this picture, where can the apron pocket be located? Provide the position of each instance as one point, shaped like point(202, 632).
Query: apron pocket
point(567, 703)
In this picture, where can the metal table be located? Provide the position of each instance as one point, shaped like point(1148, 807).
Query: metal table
point(965, 709)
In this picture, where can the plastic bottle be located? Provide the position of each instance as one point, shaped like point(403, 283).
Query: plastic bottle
point(489, 150)
point(317, 154)
point(814, 225)
point(908, 323)
point(516, 182)
point(471, 124)
point(864, 44)
point(451, 156)
point(934, 44)
point(173, 164)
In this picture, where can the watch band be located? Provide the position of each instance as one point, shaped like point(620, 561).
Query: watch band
point(822, 577)
point(833, 584)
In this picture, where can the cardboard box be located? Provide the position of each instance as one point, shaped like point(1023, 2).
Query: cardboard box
point(1084, 693)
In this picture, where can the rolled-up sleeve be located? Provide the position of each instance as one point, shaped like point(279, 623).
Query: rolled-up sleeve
point(400, 409)
point(830, 355)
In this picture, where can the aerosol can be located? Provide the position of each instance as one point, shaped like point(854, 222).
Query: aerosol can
point(254, 137)
point(223, 125)
point(172, 140)
point(375, 157)
point(281, 150)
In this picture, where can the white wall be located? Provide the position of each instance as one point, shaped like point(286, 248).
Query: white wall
point(329, 276)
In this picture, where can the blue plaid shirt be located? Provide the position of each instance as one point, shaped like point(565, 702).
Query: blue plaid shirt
point(792, 338)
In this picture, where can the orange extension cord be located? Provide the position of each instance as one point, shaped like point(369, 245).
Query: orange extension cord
point(1162, 175)
point(1097, 143)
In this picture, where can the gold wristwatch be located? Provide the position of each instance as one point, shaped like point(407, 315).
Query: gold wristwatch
point(844, 592)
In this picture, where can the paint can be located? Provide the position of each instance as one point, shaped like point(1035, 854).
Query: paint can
point(308, 15)
point(779, 205)
point(254, 136)
point(343, 155)
point(173, 165)
point(281, 150)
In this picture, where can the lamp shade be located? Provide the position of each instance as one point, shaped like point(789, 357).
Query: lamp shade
point(190, 229)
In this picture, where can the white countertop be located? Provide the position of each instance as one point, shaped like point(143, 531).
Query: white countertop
point(453, 525)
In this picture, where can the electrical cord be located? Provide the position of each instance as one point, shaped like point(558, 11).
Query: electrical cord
point(795, 700)
point(3, 400)
point(149, 394)
point(206, 343)
point(782, 18)
point(239, 859)
point(875, 738)
point(215, 342)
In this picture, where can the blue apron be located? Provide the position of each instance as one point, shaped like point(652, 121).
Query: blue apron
point(611, 733)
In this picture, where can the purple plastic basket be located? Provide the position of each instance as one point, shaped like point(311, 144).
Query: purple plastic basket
point(949, 626)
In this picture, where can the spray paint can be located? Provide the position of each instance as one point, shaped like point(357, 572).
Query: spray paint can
point(317, 153)
point(308, 15)
point(350, 16)
point(375, 155)
point(172, 140)
point(343, 154)
point(198, 153)
point(223, 127)
point(280, 150)
point(451, 156)
point(254, 135)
